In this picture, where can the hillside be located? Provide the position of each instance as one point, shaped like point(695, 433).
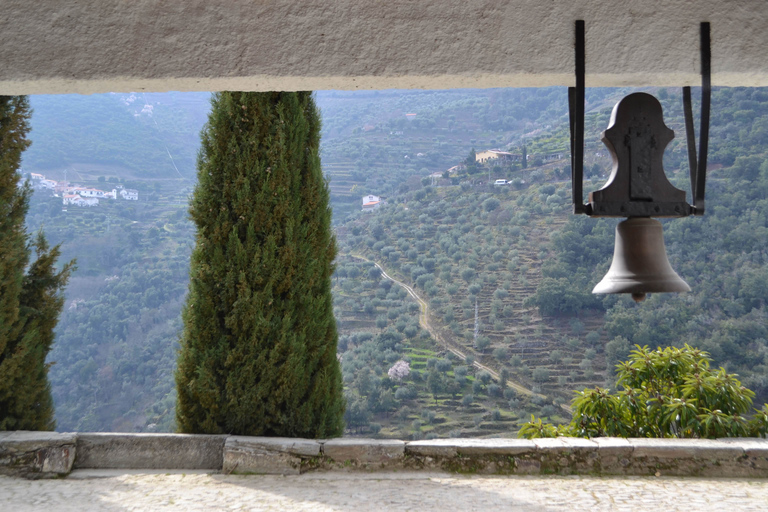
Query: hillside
point(132, 136)
point(512, 253)
point(471, 250)
point(379, 142)
point(115, 348)
point(517, 257)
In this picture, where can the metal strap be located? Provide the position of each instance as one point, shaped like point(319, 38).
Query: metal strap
point(693, 167)
point(576, 115)
point(706, 98)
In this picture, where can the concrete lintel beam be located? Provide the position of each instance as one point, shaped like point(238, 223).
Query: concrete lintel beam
point(91, 46)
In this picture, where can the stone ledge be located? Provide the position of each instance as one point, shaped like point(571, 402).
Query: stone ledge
point(752, 446)
point(565, 444)
point(149, 451)
point(613, 446)
point(469, 447)
point(365, 452)
point(49, 454)
point(37, 454)
point(268, 455)
point(685, 449)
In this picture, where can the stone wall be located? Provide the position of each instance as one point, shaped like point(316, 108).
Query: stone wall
point(51, 454)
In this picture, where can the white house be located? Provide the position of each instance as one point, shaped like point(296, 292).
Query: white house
point(371, 202)
point(61, 187)
point(78, 200)
point(495, 154)
point(47, 184)
point(130, 194)
point(91, 192)
point(70, 199)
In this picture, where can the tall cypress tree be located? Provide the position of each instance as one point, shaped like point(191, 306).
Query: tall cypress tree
point(30, 301)
point(258, 350)
point(525, 157)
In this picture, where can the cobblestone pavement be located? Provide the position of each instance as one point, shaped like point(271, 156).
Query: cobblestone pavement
point(86, 491)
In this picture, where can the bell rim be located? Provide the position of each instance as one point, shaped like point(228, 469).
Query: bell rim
point(620, 285)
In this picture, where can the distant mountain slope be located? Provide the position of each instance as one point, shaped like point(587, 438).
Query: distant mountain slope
point(374, 141)
point(516, 249)
point(150, 135)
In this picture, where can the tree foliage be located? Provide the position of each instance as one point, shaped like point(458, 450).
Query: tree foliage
point(258, 351)
point(30, 301)
point(670, 392)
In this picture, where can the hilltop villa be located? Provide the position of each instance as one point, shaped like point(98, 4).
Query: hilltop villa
point(371, 202)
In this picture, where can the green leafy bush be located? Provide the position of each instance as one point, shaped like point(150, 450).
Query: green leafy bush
point(669, 392)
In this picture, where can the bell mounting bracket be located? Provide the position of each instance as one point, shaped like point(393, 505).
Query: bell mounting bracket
point(636, 138)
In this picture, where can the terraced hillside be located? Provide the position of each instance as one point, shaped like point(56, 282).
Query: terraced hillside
point(440, 396)
point(476, 254)
point(376, 142)
point(490, 260)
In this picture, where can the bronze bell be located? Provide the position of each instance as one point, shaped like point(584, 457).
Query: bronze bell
point(640, 263)
point(638, 187)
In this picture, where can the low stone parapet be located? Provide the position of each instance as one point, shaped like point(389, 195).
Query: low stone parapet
point(269, 455)
point(149, 451)
point(37, 454)
point(600, 456)
point(41, 454)
point(359, 453)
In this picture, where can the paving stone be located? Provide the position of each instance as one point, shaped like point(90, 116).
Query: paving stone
point(390, 491)
point(364, 451)
point(267, 455)
point(37, 454)
point(149, 451)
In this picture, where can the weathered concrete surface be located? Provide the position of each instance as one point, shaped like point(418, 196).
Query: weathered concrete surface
point(52, 453)
point(470, 447)
point(36, 454)
point(602, 456)
point(268, 455)
point(613, 446)
point(685, 449)
point(365, 452)
point(755, 450)
point(149, 451)
point(92, 46)
point(388, 491)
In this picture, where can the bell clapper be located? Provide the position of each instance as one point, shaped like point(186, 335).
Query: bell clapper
point(638, 297)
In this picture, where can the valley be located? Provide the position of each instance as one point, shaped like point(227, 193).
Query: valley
point(504, 325)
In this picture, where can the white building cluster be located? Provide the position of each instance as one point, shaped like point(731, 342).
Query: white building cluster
point(81, 196)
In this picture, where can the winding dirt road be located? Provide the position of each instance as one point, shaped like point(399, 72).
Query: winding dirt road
point(424, 322)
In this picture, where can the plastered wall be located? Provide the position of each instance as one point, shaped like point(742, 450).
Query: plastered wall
point(89, 46)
